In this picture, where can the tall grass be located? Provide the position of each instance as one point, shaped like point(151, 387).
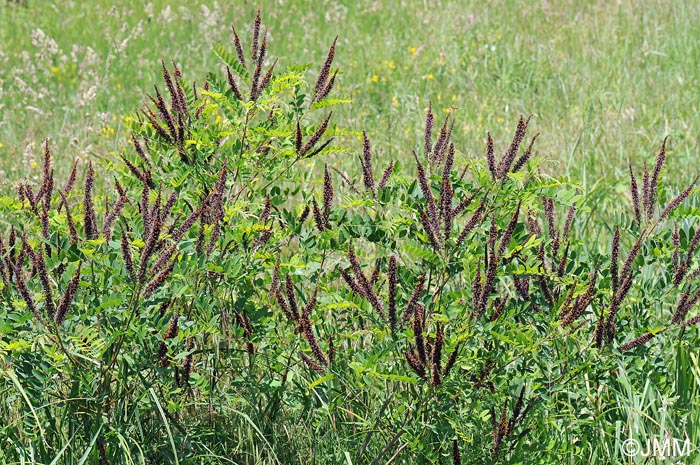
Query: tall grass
point(606, 82)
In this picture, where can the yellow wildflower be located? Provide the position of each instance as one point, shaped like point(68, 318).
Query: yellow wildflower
point(374, 78)
point(390, 64)
point(107, 131)
point(500, 120)
point(413, 51)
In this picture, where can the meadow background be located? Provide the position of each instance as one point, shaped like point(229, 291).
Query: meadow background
point(604, 81)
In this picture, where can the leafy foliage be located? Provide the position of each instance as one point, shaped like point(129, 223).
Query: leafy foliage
point(230, 303)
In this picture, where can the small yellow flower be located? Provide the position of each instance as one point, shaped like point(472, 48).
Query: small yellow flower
point(127, 119)
point(374, 78)
point(431, 77)
point(119, 85)
point(500, 120)
point(413, 51)
point(0, 145)
point(34, 164)
point(390, 64)
point(394, 103)
point(107, 131)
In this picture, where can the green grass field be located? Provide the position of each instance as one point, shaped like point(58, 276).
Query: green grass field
point(605, 83)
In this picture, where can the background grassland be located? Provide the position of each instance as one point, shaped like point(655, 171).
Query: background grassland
point(605, 81)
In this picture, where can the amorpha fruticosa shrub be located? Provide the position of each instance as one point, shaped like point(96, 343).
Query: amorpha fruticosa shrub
point(246, 252)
